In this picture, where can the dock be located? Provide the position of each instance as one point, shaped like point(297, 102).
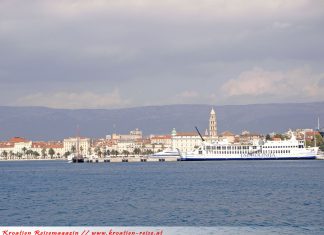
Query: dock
point(320, 157)
point(115, 159)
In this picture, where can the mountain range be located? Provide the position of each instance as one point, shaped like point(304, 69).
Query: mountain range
point(40, 123)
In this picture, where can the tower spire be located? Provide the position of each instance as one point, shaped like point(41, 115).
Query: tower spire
point(212, 123)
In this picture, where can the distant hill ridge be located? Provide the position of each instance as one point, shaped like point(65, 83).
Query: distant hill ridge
point(40, 123)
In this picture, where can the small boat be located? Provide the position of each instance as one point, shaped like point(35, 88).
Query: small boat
point(78, 159)
point(167, 153)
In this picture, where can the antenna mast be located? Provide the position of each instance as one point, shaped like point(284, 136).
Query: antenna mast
point(200, 134)
point(78, 141)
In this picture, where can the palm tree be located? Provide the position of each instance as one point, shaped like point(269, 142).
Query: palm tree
point(137, 151)
point(29, 153)
point(51, 152)
point(125, 152)
point(36, 154)
point(114, 152)
point(73, 149)
point(66, 154)
point(11, 154)
point(44, 153)
point(19, 155)
point(96, 150)
point(99, 153)
point(24, 149)
point(4, 154)
point(81, 149)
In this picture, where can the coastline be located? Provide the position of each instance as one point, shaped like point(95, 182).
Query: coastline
point(24, 160)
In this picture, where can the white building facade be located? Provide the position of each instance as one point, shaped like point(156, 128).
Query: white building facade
point(83, 144)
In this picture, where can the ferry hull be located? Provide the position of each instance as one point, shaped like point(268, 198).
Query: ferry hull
point(250, 158)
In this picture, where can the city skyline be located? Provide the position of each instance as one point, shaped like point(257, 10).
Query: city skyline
point(107, 54)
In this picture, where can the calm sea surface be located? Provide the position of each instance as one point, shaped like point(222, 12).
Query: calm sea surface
point(233, 193)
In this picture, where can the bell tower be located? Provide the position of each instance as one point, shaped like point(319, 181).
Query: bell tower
point(212, 123)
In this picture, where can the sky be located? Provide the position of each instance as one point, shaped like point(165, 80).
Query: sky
point(127, 53)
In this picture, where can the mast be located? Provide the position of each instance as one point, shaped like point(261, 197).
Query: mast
point(318, 129)
point(200, 134)
point(78, 141)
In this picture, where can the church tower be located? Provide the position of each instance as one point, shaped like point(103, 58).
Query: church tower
point(212, 124)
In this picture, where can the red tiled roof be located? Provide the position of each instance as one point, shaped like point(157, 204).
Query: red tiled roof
point(187, 134)
point(46, 145)
point(227, 133)
point(17, 140)
point(6, 145)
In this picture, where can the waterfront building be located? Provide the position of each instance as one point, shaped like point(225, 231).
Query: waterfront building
point(6, 150)
point(163, 140)
point(43, 148)
point(20, 148)
point(20, 144)
point(154, 148)
point(186, 141)
point(249, 138)
point(228, 136)
point(72, 143)
point(128, 145)
point(133, 135)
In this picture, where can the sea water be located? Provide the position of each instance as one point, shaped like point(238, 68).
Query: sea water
point(225, 193)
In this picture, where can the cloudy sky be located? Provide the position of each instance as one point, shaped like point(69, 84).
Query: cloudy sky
point(125, 53)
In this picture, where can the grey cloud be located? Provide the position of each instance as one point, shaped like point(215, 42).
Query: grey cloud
point(160, 47)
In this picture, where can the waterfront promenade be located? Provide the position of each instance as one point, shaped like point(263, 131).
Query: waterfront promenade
point(112, 159)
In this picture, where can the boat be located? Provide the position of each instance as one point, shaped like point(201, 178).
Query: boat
point(291, 149)
point(78, 159)
point(167, 153)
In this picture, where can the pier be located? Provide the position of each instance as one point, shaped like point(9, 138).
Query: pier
point(115, 159)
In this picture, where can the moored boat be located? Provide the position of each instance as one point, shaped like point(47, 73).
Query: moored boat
point(291, 149)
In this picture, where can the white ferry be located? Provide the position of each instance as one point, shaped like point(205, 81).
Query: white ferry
point(291, 149)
